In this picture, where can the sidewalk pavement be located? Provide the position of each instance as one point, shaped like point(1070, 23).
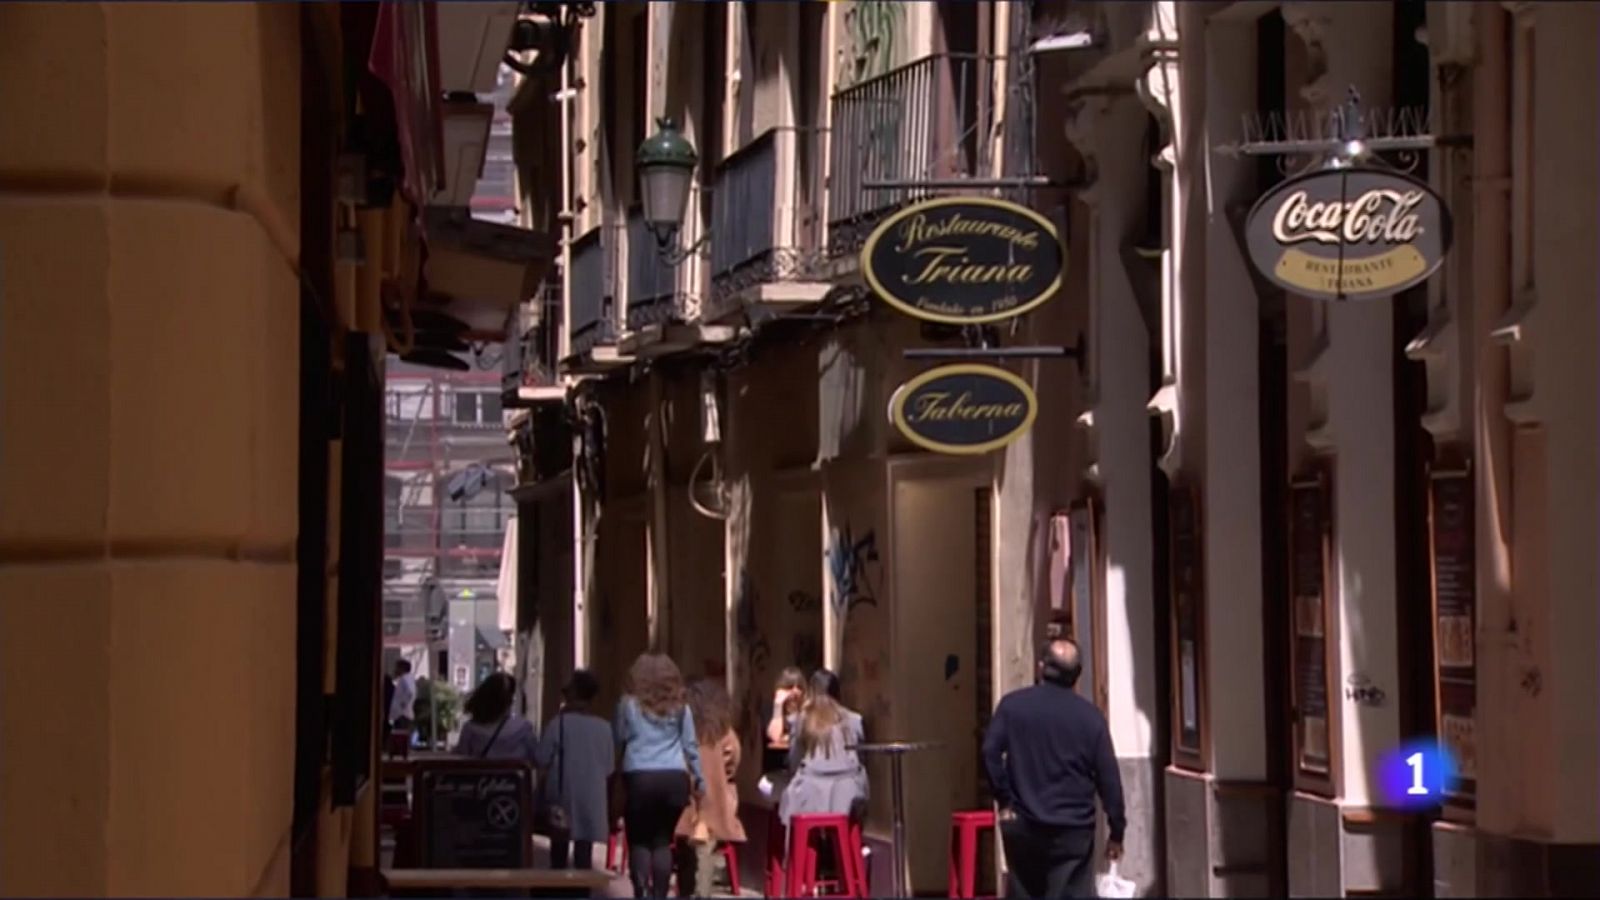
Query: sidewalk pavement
point(620, 886)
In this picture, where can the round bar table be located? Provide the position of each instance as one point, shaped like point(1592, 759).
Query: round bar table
point(896, 751)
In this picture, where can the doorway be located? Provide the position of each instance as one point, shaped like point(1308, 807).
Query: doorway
point(619, 616)
point(940, 656)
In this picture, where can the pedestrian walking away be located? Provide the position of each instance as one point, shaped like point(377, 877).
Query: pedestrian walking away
point(660, 768)
point(403, 700)
point(576, 756)
point(1048, 754)
point(492, 730)
point(712, 819)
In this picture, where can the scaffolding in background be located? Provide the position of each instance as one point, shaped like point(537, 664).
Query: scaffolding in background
point(441, 426)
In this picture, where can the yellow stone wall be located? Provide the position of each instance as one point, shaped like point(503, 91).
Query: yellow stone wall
point(149, 219)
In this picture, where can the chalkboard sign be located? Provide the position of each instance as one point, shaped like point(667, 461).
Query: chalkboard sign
point(1453, 542)
point(1308, 587)
point(475, 814)
point(1188, 593)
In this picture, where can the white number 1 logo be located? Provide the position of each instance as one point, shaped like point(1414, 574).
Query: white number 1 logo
point(1417, 788)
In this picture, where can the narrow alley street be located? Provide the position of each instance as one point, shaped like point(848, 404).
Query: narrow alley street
point(856, 448)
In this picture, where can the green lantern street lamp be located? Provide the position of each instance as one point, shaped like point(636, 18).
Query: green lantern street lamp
point(666, 162)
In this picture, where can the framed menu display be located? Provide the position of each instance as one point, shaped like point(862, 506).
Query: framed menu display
point(1188, 629)
point(1077, 605)
point(1309, 583)
point(1452, 555)
point(1088, 613)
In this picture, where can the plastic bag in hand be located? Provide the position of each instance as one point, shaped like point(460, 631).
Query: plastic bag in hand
point(1112, 884)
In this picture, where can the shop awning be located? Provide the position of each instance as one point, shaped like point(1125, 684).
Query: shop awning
point(506, 589)
point(480, 273)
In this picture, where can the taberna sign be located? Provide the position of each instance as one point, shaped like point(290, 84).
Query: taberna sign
point(1348, 234)
point(964, 260)
point(963, 409)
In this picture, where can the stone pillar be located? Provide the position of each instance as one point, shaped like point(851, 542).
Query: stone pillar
point(1109, 131)
point(1565, 273)
point(149, 221)
point(1220, 823)
point(1347, 367)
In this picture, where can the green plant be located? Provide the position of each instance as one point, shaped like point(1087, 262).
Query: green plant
point(447, 705)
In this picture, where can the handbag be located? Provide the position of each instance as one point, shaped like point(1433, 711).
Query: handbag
point(553, 820)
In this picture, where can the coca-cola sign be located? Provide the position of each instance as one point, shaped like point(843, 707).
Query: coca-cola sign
point(1348, 234)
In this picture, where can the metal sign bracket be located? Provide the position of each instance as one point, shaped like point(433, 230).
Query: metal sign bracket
point(1345, 135)
point(982, 342)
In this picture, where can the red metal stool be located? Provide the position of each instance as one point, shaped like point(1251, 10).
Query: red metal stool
point(802, 863)
point(617, 852)
point(964, 829)
point(730, 856)
point(775, 882)
point(398, 744)
point(617, 858)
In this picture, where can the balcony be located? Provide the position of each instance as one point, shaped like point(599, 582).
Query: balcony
point(592, 301)
point(909, 133)
point(664, 313)
point(766, 224)
point(537, 368)
point(653, 294)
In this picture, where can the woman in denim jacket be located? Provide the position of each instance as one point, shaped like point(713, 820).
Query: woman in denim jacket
point(660, 768)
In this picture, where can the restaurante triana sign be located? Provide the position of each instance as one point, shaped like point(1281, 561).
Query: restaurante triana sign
point(964, 260)
point(1348, 233)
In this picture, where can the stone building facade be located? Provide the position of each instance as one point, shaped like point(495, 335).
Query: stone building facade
point(738, 498)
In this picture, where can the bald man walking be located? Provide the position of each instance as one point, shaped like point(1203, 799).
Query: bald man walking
point(1048, 754)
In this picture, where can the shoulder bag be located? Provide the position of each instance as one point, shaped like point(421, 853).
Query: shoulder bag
point(553, 820)
point(484, 753)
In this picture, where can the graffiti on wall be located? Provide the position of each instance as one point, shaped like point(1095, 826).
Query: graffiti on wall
point(804, 602)
point(848, 573)
point(807, 650)
point(752, 658)
point(754, 650)
point(867, 51)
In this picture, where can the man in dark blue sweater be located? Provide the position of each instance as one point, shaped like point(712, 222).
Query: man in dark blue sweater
point(1048, 753)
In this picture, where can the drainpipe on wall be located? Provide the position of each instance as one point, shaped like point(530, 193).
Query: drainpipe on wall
point(1491, 275)
point(660, 586)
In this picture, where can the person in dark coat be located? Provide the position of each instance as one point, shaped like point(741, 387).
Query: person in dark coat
point(1048, 754)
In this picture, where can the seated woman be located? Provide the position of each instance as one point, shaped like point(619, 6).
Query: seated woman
point(828, 776)
point(791, 692)
point(786, 700)
point(492, 730)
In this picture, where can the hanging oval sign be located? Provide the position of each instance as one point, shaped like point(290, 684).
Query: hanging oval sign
point(963, 409)
point(1348, 234)
point(964, 260)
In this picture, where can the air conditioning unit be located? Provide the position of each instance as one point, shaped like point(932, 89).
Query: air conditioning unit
point(466, 140)
point(472, 40)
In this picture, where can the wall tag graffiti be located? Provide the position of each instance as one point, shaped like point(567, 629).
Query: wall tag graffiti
point(847, 570)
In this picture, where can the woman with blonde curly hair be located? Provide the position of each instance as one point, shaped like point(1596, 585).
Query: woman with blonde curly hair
point(660, 767)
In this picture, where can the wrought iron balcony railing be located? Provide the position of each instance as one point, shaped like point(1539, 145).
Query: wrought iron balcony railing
point(766, 220)
point(593, 287)
point(896, 135)
point(541, 340)
point(654, 297)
